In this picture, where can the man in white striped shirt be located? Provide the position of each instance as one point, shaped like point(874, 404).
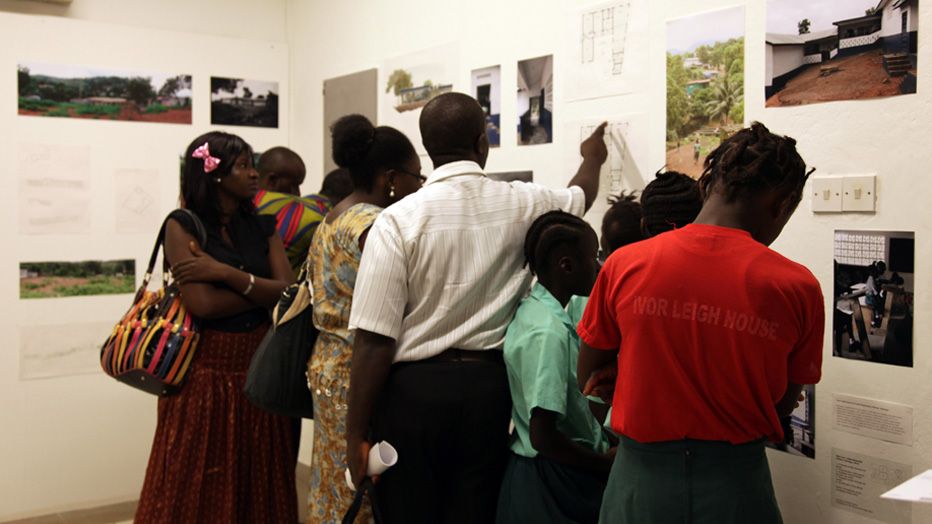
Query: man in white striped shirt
point(440, 278)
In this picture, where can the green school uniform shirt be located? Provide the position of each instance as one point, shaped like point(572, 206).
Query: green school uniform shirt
point(541, 349)
point(575, 309)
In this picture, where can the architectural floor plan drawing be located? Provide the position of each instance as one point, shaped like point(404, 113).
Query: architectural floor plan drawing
point(604, 39)
point(603, 32)
point(616, 142)
point(627, 155)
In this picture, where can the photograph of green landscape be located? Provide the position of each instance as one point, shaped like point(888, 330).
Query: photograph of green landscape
point(83, 92)
point(74, 279)
point(705, 85)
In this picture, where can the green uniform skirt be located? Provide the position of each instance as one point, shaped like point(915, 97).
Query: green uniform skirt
point(541, 491)
point(690, 482)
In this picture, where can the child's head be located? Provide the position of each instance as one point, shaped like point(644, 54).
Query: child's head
point(759, 172)
point(217, 163)
point(337, 185)
point(281, 170)
point(670, 201)
point(562, 250)
point(621, 224)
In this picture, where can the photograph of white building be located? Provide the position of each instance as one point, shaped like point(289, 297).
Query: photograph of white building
point(827, 50)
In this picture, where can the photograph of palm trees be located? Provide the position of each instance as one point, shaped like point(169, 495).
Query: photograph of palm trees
point(239, 102)
point(705, 85)
point(826, 50)
point(73, 91)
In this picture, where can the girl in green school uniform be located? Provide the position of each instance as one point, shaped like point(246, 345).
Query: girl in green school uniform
point(560, 456)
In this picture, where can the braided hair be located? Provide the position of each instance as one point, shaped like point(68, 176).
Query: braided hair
point(621, 224)
point(669, 202)
point(550, 230)
point(754, 160)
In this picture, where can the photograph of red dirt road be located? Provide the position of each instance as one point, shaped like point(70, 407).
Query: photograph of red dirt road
point(854, 77)
point(828, 50)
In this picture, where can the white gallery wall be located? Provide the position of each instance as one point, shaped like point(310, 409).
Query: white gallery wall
point(248, 19)
point(79, 441)
point(82, 440)
point(888, 137)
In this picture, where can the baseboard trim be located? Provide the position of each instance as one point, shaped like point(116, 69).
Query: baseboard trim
point(124, 511)
point(110, 513)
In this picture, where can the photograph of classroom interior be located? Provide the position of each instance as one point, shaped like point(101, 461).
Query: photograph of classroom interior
point(75, 443)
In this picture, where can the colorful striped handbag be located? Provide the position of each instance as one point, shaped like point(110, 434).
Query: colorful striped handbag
point(152, 346)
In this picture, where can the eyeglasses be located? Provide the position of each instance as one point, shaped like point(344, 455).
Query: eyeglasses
point(421, 178)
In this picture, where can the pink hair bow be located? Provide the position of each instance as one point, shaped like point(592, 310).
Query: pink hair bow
point(210, 162)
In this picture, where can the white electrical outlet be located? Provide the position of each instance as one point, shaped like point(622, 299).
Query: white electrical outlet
point(826, 192)
point(859, 193)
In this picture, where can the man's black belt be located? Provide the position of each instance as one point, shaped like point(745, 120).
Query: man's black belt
point(468, 355)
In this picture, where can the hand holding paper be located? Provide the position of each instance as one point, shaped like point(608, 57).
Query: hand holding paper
point(381, 456)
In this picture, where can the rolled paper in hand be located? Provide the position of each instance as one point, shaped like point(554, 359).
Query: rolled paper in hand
point(381, 457)
point(349, 480)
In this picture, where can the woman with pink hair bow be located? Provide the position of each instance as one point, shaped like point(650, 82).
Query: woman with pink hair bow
point(215, 457)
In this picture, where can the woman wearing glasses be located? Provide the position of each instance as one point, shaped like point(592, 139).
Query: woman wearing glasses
point(385, 168)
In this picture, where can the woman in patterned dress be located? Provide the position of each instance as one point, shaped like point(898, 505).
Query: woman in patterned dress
point(385, 168)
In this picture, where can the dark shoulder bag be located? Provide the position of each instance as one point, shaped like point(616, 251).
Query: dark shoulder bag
point(277, 376)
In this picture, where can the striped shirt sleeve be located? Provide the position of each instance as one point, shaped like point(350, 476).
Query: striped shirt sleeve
point(381, 290)
point(570, 199)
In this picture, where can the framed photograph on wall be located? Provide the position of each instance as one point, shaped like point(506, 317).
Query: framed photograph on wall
point(705, 85)
point(74, 91)
point(240, 102)
point(873, 296)
point(487, 89)
point(535, 101)
point(827, 50)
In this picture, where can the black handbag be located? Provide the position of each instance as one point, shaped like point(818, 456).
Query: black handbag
point(277, 376)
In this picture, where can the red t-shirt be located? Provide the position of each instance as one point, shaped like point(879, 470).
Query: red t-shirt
point(710, 325)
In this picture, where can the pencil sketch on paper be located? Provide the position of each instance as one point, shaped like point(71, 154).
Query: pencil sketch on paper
point(61, 350)
point(54, 189)
point(136, 206)
point(617, 146)
point(604, 31)
point(607, 45)
point(627, 157)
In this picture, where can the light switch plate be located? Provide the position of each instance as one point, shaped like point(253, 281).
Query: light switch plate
point(859, 193)
point(826, 192)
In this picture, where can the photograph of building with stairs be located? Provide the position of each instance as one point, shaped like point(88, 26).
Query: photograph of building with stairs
point(828, 50)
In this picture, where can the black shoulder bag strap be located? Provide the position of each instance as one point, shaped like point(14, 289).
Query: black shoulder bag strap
point(200, 233)
point(365, 488)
